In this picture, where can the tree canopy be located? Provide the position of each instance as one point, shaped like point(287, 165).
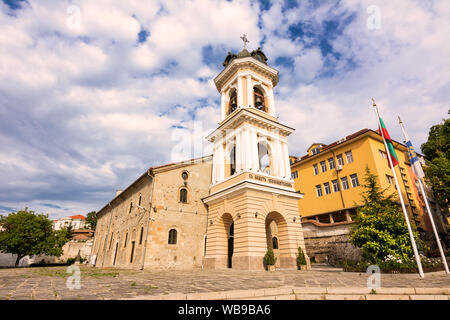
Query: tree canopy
point(380, 228)
point(91, 219)
point(437, 156)
point(26, 233)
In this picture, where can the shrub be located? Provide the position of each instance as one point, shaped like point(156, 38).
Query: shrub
point(269, 258)
point(70, 261)
point(301, 260)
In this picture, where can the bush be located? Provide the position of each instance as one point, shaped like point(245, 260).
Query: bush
point(301, 260)
point(269, 258)
point(70, 261)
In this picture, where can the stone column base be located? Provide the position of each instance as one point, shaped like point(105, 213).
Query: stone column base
point(215, 262)
point(288, 263)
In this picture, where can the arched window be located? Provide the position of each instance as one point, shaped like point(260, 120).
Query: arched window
point(259, 99)
point(264, 158)
point(233, 161)
point(233, 101)
point(275, 243)
point(183, 195)
point(173, 236)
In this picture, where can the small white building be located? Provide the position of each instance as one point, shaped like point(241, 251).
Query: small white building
point(77, 222)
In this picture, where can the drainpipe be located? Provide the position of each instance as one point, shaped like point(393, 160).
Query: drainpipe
point(150, 174)
point(339, 181)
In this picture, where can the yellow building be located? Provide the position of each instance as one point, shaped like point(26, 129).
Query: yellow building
point(330, 177)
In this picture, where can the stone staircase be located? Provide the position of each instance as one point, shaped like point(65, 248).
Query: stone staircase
point(317, 293)
point(323, 267)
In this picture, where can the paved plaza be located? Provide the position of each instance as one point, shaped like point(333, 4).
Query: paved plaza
point(51, 283)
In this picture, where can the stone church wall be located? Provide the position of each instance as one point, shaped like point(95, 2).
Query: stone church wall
point(119, 226)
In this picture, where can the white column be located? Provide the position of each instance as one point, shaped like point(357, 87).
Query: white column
point(277, 159)
point(254, 150)
point(271, 102)
point(238, 152)
point(214, 166)
point(248, 150)
point(240, 93)
point(222, 107)
point(249, 91)
point(287, 164)
point(220, 162)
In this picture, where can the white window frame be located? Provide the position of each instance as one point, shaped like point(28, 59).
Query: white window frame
point(331, 163)
point(340, 159)
point(316, 169)
point(319, 192)
point(353, 180)
point(345, 186)
point(349, 156)
point(336, 187)
point(327, 188)
point(323, 164)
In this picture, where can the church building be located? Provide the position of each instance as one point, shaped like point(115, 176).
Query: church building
point(220, 211)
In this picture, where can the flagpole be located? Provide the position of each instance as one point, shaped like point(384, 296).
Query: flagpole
point(411, 236)
point(444, 260)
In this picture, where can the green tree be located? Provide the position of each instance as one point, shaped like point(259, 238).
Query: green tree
point(380, 228)
point(269, 258)
point(91, 219)
point(26, 233)
point(437, 156)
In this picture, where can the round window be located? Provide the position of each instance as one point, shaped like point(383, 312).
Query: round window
point(184, 175)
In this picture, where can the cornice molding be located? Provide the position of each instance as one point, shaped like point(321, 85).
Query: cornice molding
point(241, 63)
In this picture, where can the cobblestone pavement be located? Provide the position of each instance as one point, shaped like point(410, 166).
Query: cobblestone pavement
point(51, 282)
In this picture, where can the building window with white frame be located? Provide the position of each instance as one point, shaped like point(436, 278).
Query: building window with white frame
point(390, 179)
point(294, 175)
point(323, 165)
point(382, 154)
point(349, 156)
point(344, 182)
point(355, 182)
point(327, 188)
point(319, 190)
point(316, 169)
point(331, 163)
point(335, 185)
point(340, 160)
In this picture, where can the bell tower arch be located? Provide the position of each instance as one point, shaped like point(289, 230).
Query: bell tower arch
point(251, 175)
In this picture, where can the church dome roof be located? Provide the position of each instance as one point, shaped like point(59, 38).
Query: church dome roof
point(256, 54)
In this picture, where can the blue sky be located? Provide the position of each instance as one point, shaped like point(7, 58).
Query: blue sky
point(92, 93)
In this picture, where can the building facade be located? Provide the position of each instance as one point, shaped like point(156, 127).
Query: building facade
point(221, 211)
point(330, 177)
point(76, 222)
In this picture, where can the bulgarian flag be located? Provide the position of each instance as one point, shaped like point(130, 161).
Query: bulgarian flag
point(389, 144)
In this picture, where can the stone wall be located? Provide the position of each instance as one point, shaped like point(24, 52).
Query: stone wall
point(129, 235)
point(71, 248)
point(329, 242)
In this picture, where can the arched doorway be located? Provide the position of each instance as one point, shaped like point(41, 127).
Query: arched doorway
point(227, 240)
point(277, 236)
point(230, 246)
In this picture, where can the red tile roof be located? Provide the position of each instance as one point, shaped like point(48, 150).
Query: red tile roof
point(78, 216)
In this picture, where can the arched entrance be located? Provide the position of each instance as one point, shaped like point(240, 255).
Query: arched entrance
point(277, 236)
point(227, 242)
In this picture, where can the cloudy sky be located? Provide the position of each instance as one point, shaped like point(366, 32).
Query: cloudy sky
point(92, 93)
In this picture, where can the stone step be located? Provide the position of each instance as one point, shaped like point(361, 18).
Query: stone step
point(325, 267)
point(314, 293)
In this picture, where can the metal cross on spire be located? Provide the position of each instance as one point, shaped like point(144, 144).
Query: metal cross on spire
point(244, 38)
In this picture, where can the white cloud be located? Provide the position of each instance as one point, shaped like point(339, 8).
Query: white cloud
point(84, 111)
